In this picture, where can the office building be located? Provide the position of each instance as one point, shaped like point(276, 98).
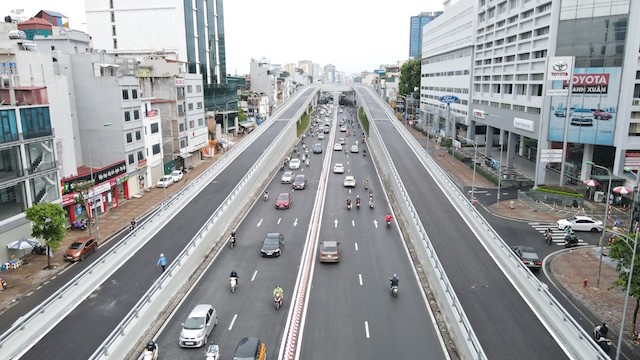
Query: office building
point(416, 23)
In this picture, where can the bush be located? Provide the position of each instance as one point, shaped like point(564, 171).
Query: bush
point(560, 190)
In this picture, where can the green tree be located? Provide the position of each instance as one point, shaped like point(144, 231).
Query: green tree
point(48, 222)
point(409, 77)
point(621, 249)
point(241, 115)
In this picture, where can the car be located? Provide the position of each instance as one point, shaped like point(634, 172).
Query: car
point(250, 348)
point(338, 168)
point(320, 136)
point(272, 245)
point(601, 114)
point(198, 326)
point(343, 128)
point(582, 117)
point(165, 181)
point(326, 129)
point(342, 141)
point(317, 148)
point(177, 175)
point(287, 177)
point(580, 223)
point(528, 256)
point(330, 251)
point(80, 248)
point(337, 147)
point(294, 164)
point(349, 181)
point(354, 148)
point(283, 201)
point(300, 183)
point(560, 113)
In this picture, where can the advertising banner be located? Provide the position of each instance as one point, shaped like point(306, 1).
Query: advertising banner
point(592, 112)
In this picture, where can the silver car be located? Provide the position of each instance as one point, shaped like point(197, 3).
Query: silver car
point(287, 177)
point(199, 324)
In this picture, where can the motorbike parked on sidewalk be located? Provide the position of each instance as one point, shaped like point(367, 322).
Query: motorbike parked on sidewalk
point(79, 225)
point(39, 250)
point(3, 283)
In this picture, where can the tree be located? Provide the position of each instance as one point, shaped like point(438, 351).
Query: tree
point(48, 222)
point(241, 115)
point(409, 77)
point(621, 249)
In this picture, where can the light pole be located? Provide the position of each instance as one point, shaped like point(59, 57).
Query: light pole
point(633, 198)
point(626, 296)
point(473, 182)
point(500, 167)
point(606, 214)
point(93, 183)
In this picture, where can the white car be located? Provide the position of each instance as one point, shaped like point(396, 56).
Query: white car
point(165, 181)
point(580, 223)
point(177, 175)
point(294, 164)
point(287, 177)
point(354, 148)
point(338, 168)
point(320, 136)
point(343, 128)
point(349, 181)
point(337, 147)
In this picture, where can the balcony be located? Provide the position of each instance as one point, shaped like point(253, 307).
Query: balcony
point(25, 96)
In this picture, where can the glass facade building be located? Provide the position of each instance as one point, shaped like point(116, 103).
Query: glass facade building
point(415, 32)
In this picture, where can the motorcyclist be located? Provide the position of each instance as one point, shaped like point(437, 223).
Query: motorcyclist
point(366, 183)
point(233, 237)
point(234, 275)
point(266, 195)
point(364, 152)
point(348, 202)
point(133, 223)
point(548, 232)
point(601, 331)
point(394, 280)
point(151, 346)
point(357, 200)
point(278, 292)
point(388, 218)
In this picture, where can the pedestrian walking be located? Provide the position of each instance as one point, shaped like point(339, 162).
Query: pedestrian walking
point(162, 262)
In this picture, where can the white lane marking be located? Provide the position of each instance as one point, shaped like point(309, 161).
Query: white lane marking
point(356, 245)
point(279, 219)
point(295, 222)
point(259, 222)
point(366, 329)
point(375, 222)
point(335, 223)
point(254, 275)
point(360, 278)
point(233, 321)
point(353, 223)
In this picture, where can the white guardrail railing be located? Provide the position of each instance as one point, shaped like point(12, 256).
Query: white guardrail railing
point(34, 325)
point(575, 341)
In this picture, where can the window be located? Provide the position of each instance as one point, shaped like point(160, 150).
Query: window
point(536, 89)
point(125, 94)
point(524, 56)
point(540, 54)
point(183, 143)
point(500, 23)
point(155, 128)
point(510, 58)
point(507, 88)
point(499, 42)
point(113, 17)
point(113, 30)
point(140, 155)
point(522, 77)
point(138, 135)
point(198, 88)
point(129, 138)
point(527, 14)
point(136, 114)
point(513, 4)
point(127, 116)
point(518, 108)
point(521, 89)
point(525, 35)
point(190, 106)
point(201, 122)
point(511, 39)
point(155, 149)
point(512, 19)
point(192, 124)
point(543, 8)
point(110, 4)
point(131, 159)
point(134, 93)
point(537, 77)
point(199, 105)
point(115, 44)
point(542, 31)
point(189, 89)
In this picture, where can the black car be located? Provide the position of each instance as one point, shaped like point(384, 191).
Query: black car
point(272, 245)
point(528, 256)
point(250, 348)
point(300, 182)
point(317, 148)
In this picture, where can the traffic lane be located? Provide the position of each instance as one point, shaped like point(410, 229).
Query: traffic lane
point(366, 312)
point(290, 111)
point(488, 298)
point(117, 295)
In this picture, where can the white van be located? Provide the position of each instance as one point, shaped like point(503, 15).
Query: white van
point(200, 323)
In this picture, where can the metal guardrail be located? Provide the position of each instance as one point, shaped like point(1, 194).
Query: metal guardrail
point(575, 340)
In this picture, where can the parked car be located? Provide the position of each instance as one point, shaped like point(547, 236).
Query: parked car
point(198, 326)
point(317, 148)
point(528, 256)
point(582, 117)
point(337, 147)
point(272, 245)
point(338, 168)
point(601, 114)
point(165, 181)
point(330, 251)
point(287, 177)
point(560, 113)
point(349, 181)
point(294, 164)
point(177, 175)
point(80, 248)
point(284, 201)
point(580, 223)
point(300, 183)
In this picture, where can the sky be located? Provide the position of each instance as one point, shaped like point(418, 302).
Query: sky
point(352, 35)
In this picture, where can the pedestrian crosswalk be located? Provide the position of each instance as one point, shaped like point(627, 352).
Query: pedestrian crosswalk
point(556, 234)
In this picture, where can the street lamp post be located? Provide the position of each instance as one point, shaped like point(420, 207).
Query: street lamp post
point(475, 155)
point(633, 198)
point(606, 215)
point(93, 183)
point(626, 296)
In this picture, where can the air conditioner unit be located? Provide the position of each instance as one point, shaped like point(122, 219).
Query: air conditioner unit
point(635, 102)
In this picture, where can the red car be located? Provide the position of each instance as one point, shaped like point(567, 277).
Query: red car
point(601, 114)
point(283, 201)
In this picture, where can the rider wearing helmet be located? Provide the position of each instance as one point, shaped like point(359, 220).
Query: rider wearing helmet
point(278, 290)
point(388, 217)
point(151, 346)
point(234, 275)
point(394, 280)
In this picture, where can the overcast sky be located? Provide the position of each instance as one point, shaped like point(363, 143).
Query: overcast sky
point(353, 35)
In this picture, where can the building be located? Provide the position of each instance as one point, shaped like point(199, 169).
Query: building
point(416, 23)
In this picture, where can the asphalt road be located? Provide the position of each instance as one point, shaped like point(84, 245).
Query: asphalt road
point(85, 328)
point(502, 320)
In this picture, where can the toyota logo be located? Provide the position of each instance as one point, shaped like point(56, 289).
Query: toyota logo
point(560, 66)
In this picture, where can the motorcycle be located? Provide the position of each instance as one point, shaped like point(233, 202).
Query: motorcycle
point(366, 184)
point(3, 283)
point(232, 241)
point(277, 300)
point(348, 204)
point(213, 352)
point(151, 354)
point(394, 290)
point(549, 238)
point(132, 226)
point(570, 240)
point(39, 250)
point(265, 197)
point(358, 203)
point(388, 222)
point(604, 343)
point(79, 225)
point(371, 203)
point(364, 152)
point(233, 284)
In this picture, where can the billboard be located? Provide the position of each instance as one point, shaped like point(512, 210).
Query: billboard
point(592, 111)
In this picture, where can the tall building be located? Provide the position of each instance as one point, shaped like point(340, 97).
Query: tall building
point(415, 31)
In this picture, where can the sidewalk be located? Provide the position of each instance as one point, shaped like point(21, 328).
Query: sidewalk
point(568, 269)
point(28, 278)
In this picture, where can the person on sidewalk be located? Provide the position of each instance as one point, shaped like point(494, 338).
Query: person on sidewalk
point(162, 262)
